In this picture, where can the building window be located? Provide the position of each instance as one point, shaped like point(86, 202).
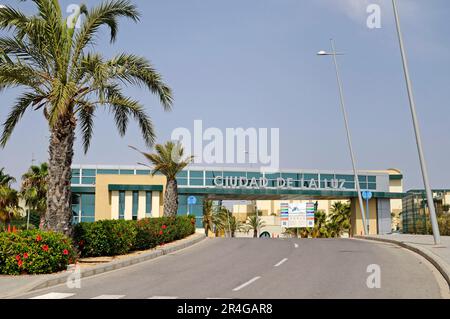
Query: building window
point(87, 208)
point(122, 205)
point(83, 208)
point(135, 205)
point(148, 204)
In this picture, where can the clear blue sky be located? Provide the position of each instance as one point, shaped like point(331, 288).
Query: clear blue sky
point(252, 63)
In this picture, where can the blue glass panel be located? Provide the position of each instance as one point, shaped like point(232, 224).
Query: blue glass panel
point(182, 174)
point(75, 180)
point(108, 171)
point(87, 207)
point(308, 177)
point(143, 172)
point(182, 181)
point(121, 205)
point(234, 174)
point(135, 206)
point(126, 172)
point(88, 180)
point(254, 175)
point(372, 179)
point(75, 172)
point(213, 174)
point(148, 204)
point(196, 182)
point(196, 174)
point(89, 172)
point(291, 175)
point(348, 178)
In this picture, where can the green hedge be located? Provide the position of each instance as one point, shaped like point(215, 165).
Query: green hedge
point(118, 237)
point(34, 252)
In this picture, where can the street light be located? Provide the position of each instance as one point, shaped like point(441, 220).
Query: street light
point(333, 53)
point(254, 203)
point(423, 165)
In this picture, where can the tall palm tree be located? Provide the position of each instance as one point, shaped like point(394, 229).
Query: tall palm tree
point(9, 204)
point(207, 216)
point(255, 223)
point(168, 160)
point(67, 81)
point(34, 190)
point(5, 179)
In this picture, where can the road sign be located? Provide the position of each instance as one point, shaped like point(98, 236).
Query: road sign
point(192, 200)
point(367, 195)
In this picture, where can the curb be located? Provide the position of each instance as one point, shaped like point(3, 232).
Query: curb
point(110, 266)
point(437, 261)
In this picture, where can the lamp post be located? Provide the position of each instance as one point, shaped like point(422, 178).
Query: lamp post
point(333, 53)
point(254, 203)
point(423, 165)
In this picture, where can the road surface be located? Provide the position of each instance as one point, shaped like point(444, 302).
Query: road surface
point(263, 269)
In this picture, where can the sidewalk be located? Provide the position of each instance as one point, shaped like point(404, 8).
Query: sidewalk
point(16, 285)
point(424, 245)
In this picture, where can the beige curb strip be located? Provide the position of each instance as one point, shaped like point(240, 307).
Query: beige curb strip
point(437, 261)
point(110, 266)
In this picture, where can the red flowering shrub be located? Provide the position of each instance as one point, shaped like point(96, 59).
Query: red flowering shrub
point(119, 237)
point(152, 232)
point(34, 252)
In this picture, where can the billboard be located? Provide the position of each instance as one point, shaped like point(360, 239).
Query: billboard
point(300, 215)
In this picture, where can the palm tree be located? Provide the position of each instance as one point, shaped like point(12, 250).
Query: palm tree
point(340, 217)
point(5, 179)
point(168, 160)
point(226, 222)
point(67, 81)
point(320, 226)
point(255, 223)
point(34, 190)
point(9, 204)
point(207, 216)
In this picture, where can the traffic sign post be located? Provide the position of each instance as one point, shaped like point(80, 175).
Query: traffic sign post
point(367, 195)
point(191, 200)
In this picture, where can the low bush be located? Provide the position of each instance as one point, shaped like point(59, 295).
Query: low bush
point(118, 237)
point(105, 237)
point(34, 252)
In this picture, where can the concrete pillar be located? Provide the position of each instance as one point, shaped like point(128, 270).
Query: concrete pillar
point(141, 208)
point(114, 205)
point(356, 221)
point(128, 205)
point(155, 204)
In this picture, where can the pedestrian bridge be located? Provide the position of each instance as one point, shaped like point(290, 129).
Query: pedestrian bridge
point(132, 192)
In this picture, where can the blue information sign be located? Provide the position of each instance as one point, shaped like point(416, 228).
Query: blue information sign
point(192, 200)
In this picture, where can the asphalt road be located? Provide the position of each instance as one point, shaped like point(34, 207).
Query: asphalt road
point(265, 268)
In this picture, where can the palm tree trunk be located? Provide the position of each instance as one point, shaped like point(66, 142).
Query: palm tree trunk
point(171, 199)
point(59, 211)
point(255, 233)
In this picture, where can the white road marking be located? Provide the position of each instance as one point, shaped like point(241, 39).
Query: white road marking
point(246, 284)
point(281, 262)
point(163, 297)
point(53, 295)
point(109, 297)
point(296, 245)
